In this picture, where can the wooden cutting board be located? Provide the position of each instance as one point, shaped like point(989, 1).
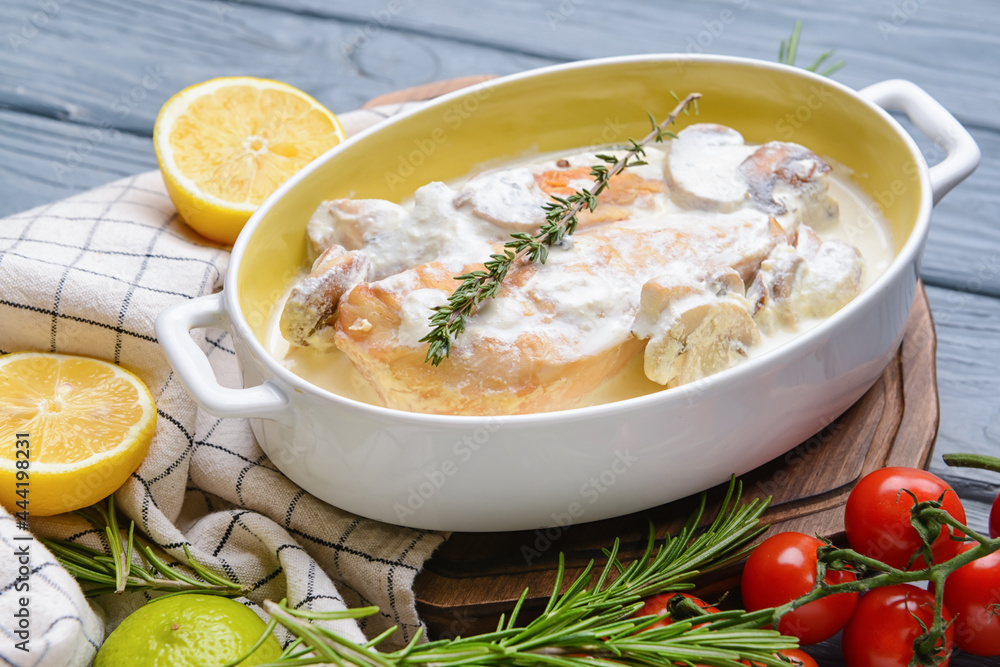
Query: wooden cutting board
point(475, 577)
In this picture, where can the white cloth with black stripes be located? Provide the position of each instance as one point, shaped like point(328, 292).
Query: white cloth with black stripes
point(88, 275)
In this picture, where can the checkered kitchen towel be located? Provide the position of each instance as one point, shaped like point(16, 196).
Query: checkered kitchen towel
point(88, 275)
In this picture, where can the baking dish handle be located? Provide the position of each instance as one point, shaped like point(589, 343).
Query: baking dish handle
point(937, 123)
point(173, 328)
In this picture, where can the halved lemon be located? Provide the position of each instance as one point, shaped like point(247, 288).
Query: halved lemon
point(226, 144)
point(72, 430)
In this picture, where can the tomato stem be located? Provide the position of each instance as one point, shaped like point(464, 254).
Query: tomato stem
point(927, 646)
point(944, 517)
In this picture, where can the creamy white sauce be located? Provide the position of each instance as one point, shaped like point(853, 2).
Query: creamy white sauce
point(584, 302)
point(414, 313)
point(332, 371)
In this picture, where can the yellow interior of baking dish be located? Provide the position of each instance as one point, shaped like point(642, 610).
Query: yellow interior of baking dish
point(573, 107)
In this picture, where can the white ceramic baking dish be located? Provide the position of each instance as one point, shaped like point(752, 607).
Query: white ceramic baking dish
point(528, 471)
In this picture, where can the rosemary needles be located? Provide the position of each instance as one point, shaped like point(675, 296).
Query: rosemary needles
point(789, 50)
point(101, 572)
point(587, 622)
point(448, 321)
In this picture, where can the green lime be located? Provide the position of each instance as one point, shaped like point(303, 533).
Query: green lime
point(190, 630)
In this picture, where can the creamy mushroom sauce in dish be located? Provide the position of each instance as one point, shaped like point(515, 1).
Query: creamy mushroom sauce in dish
point(713, 252)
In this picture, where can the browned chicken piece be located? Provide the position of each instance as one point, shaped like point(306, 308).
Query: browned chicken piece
point(625, 191)
point(702, 170)
point(520, 372)
point(556, 332)
point(311, 308)
point(697, 325)
point(770, 292)
point(789, 182)
point(812, 279)
point(670, 283)
point(748, 262)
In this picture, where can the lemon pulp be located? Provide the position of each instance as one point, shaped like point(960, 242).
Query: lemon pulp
point(225, 144)
point(72, 430)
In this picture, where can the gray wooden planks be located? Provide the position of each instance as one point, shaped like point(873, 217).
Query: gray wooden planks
point(42, 159)
point(104, 68)
point(963, 247)
point(115, 62)
point(968, 327)
point(378, 45)
point(110, 64)
point(943, 47)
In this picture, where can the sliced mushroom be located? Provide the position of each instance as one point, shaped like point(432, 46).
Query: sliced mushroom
point(830, 277)
point(508, 198)
point(311, 309)
point(696, 326)
point(702, 168)
point(813, 279)
point(790, 182)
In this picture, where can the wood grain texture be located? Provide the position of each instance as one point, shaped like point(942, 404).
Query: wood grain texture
point(968, 360)
point(880, 39)
point(427, 91)
point(110, 64)
point(963, 246)
point(117, 61)
point(478, 576)
point(42, 160)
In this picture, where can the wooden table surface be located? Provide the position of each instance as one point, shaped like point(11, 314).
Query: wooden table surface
point(81, 82)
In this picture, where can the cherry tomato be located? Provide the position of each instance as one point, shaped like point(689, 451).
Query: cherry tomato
point(878, 516)
point(783, 568)
point(995, 519)
point(798, 657)
point(969, 593)
point(884, 626)
point(657, 605)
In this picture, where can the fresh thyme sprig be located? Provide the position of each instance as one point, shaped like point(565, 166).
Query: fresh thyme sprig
point(789, 50)
point(448, 321)
point(101, 572)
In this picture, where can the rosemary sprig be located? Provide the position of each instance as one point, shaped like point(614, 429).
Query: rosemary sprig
point(116, 569)
point(788, 51)
point(448, 321)
point(589, 624)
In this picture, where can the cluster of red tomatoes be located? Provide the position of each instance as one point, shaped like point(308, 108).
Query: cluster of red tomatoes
point(879, 627)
